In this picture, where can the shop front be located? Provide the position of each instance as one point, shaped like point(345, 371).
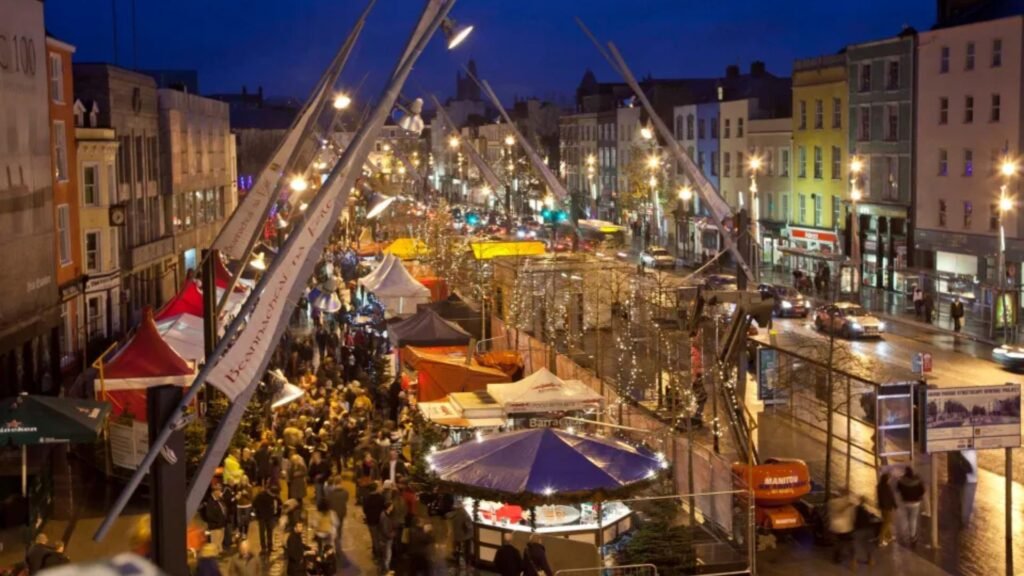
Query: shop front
point(814, 239)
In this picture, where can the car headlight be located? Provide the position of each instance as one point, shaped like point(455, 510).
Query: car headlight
point(786, 304)
point(855, 325)
point(881, 326)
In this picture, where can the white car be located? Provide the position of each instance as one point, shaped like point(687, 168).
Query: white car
point(657, 258)
point(849, 320)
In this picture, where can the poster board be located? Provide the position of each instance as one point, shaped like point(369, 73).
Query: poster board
point(128, 444)
point(978, 417)
point(768, 377)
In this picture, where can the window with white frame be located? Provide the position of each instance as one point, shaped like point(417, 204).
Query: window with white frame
point(769, 162)
point(943, 162)
point(892, 122)
point(95, 316)
point(90, 185)
point(803, 115)
point(726, 128)
point(997, 53)
point(739, 164)
point(837, 163)
point(892, 75)
point(837, 113)
point(726, 164)
point(819, 114)
point(801, 156)
point(819, 167)
point(60, 150)
point(803, 208)
point(739, 127)
point(969, 57)
point(784, 162)
point(817, 209)
point(701, 134)
point(93, 256)
point(56, 78)
point(64, 234)
point(835, 210)
point(115, 248)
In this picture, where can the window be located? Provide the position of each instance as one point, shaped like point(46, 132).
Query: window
point(942, 213)
point(817, 209)
point(785, 207)
point(994, 115)
point(701, 134)
point(769, 162)
point(725, 129)
point(689, 127)
point(865, 77)
point(837, 113)
point(968, 162)
point(90, 185)
point(152, 158)
point(803, 209)
point(892, 75)
point(714, 164)
point(993, 217)
point(714, 127)
point(892, 122)
point(95, 317)
point(943, 59)
point(891, 176)
point(997, 53)
point(969, 58)
point(60, 151)
point(819, 115)
point(679, 128)
point(111, 185)
point(115, 256)
point(784, 162)
point(835, 211)
point(837, 163)
point(801, 156)
point(700, 161)
point(943, 162)
point(92, 251)
point(943, 110)
point(739, 127)
point(769, 206)
point(56, 78)
point(864, 127)
point(138, 158)
point(968, 109)
point(123, 164)
point(803, 115)
point(818, 161)
point(64, 234)
point(968, 213)
point(739, 164)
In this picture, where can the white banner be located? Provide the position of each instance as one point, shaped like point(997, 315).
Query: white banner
point(234, 237)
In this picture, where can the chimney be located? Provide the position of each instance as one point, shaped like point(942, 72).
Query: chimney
point(757, 68)
point(732, 71)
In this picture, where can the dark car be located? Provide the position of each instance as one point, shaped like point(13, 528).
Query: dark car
point(788, 302)
point(848, 320)
point(723, 282)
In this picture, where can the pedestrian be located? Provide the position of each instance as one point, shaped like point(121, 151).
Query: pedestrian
point(57, 557)
point(394, 468)
point(842, 512)
point(462, 536)
point(911, 491)
point(267, 507)
point(886, 499)
point(35, 556)
point(295, 552)
point(421, 549)
point(297, 473)
point(929, 308)
point(319, 473)
point(215, 514)
point(864, 533)
point(207, 564)
point(325, 526)
point(245, 563)
point(508, 561)
point(386, 531)
point(918, 298)
point(956, 312)
point(264, 463)
point(535, 558)
point(337, 499)
point(960, 470)
point(373, 504)
point(243, 508)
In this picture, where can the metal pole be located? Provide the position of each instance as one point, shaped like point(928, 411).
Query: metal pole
point(1008, 510)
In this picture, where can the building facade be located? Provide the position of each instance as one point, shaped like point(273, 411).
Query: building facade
point(197, 175)
point(771, 141)
point(127, 103)
point(30, 308)
point(578, 152)
point(881, 138)
point(969, 81)
point(821, 152)
point(66, 202)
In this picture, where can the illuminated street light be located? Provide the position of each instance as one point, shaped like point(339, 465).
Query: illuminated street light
point(342, 101)
point(653, 181)
point(646, 133)
point(298, 184)
point(386, 147)
point(856, 165)
point(685, 194)
point(755, 163)
point(453, 142)
point(591, 160)
point(259, 262)
point(653, 162)
point(549, 201)
point(454, 33)
point(510, 140)
point(1005, 204)
point(1008, 168)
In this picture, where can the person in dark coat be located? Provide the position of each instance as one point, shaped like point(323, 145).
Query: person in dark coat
point(420, 551)
point(956, 312)
point(37, 553)
point(535, 558)
point(373, 504)
point(215, 514)
point(295, 551)
point(508, 561)
point(886, 498)
point(264, 459)
point(911, 490)
point(267, 507)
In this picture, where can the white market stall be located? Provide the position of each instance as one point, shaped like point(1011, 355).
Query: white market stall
point(542, 397)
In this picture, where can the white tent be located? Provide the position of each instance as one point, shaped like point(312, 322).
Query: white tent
point(184, 333)
point(542, 391)
point(370, 280)
point(398, 291)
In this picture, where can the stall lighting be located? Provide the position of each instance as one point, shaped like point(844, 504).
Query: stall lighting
point(259, 262)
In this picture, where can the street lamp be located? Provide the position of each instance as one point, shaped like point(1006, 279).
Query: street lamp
point(298, 184)
point(1008, 169)
point(453, 142)
point(454, 33)
point(342, 101)
point(646, 133)
point(856, 166)
point(685, 196)
point(510, 140)
point(755, 216)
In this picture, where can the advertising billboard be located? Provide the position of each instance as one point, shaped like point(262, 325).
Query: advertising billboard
point(972, 418)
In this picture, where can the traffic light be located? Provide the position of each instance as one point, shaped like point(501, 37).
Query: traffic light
point(561, 216)
point(547, 215)
point(472, 219)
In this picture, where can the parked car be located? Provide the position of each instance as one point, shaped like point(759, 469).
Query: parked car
point(848, 320)
point(788, 302)
point(1010, 357)
point(657, 257)
point(722, 282)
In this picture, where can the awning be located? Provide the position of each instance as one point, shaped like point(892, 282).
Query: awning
point(146, 361)
point(443, 412)
point(489, 250)
point(188, 300)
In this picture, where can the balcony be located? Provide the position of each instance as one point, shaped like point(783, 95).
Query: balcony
point(150, 252)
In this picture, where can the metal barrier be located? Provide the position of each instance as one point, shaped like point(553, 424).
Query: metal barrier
point(631, 570)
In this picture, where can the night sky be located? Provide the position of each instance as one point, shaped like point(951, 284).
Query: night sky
point(523, 47)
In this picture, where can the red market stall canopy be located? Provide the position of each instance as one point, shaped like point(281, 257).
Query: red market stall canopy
point(426, 328)
point(441, 375)
point(542, 391)
point(189, 300)
point(145, 361)
point(223, 276)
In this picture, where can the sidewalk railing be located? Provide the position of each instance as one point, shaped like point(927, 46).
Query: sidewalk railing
point(631, 570)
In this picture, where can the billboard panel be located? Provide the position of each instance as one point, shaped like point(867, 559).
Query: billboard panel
point(972, 418)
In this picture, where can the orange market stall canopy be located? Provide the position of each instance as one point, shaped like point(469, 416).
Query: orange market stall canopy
point(441, 375)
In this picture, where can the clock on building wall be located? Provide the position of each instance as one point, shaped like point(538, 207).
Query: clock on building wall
point(117, 215)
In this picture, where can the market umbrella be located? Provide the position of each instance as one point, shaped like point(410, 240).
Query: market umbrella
point(545, 463)
point(28, 420)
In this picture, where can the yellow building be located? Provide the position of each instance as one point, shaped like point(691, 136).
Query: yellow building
point(820, 154)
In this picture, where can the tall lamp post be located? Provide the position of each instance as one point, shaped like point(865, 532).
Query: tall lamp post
point(453, 146)
point(591, 169)
point(755, 218)
point(1008, 170)
point(856, 166)
point(685, 196)
point(653, 163)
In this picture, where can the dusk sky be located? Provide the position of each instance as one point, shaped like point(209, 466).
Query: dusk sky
point(524, 48)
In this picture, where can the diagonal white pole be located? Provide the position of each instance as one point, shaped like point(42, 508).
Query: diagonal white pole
point(471, 151)
point(330, 207)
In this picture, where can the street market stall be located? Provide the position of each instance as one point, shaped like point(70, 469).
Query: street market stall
point(395, 288)
point(439, 375)
point(456, 309)
point(547, 481)
point(407, 248)
point(542, 397)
